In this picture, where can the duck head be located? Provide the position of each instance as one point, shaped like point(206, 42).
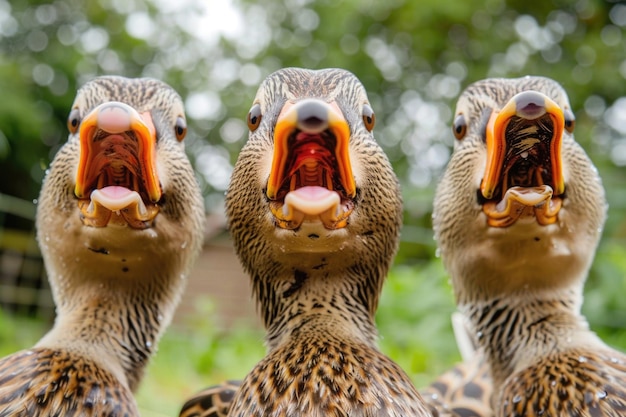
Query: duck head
point(305, 174)
point(120, 198)
point(520, 206)
point(311, 187)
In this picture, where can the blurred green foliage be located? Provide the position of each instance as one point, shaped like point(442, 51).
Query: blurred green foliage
point(414, 59)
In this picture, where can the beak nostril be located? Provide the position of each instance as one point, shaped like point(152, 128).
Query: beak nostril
point(313, 123)
point(530, 105)
point(114, 117)
point(532, 111)
point(312, 115)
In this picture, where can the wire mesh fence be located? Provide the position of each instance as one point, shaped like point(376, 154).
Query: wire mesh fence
point(24, 287)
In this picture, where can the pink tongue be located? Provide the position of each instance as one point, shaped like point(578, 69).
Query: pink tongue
point(117, 198)
point(312, 200)
point(115, 192)
point(312, 193)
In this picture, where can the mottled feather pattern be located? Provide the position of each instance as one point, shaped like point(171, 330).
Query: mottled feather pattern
point(317, 305)
point(466, 389)
point(573, 383)
point(463, 391)
point(51, 383)
point(213, 401)
point(521, 287)
point(501, 321)
point(547, 372)
point(326, 378)
point(115, 288)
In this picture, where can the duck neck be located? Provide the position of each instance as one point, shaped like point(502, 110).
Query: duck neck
point(115, 323)
point(514, 330)
point(306, 302)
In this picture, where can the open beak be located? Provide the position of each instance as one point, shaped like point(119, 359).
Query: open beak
point(116, 180)
point(311, 176)
point(524, 173)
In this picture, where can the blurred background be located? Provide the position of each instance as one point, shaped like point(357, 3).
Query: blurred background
point(414, 58)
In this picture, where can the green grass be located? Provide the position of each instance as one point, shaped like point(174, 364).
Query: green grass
point(413, 319)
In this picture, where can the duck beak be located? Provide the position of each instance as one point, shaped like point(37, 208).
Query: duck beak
point(311, 174)
point(117, 167)
point(312, 117)
point(524, 163)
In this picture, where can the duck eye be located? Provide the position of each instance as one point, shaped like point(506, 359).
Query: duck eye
point(180, 128)
point(460, 127)
point(369, 118)
point(254, 117)
point(73, 121)
point(570, 120)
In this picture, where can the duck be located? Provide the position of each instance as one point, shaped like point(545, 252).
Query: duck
point(119, 223)
point(517, 216)
point(314, 210)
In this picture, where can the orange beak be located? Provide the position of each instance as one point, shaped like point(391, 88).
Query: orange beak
point(310, 116)
point(117, 119)
point(529, 105)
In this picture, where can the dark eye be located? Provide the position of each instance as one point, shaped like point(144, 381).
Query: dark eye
point(460, 127)
point(254, 117)
point(73, 121)
point(180, 128)
point(570, 120)
point(369, 118)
